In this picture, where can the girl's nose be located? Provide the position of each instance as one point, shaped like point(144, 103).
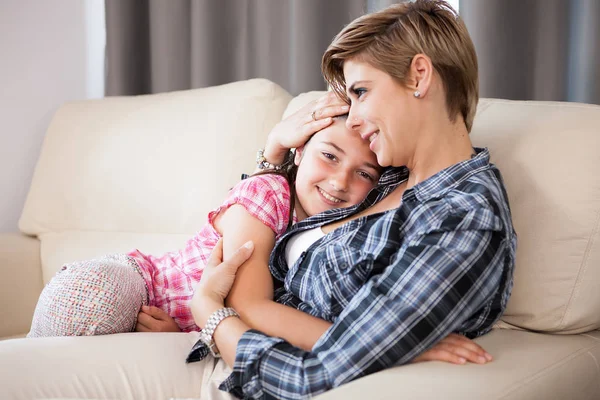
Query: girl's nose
point(340, 181)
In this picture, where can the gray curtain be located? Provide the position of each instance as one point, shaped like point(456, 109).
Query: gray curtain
point(536, 49)
point(158, 45)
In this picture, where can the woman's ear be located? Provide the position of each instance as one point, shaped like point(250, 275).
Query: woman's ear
point(421, 71)
point(298, 155)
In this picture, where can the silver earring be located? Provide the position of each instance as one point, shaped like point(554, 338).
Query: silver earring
point(417, 94)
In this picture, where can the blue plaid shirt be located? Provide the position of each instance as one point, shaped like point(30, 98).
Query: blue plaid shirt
point(392, 283)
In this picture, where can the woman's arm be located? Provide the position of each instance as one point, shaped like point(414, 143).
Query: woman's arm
point(252, 292)
point(396, 328)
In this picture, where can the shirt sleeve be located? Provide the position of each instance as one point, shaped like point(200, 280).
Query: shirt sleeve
point(436, 283)
point(266, 197)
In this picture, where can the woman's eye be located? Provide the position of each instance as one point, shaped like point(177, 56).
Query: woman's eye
point(359, 92)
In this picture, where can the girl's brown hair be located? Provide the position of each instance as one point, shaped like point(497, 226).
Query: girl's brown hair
point(389, 39)
point(288, 170)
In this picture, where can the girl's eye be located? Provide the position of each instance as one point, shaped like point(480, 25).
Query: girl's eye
point(329, 156)
point(366, 176)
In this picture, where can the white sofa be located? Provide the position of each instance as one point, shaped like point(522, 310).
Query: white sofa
point(119, 173)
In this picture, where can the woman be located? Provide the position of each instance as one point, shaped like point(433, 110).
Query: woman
point(429, 253)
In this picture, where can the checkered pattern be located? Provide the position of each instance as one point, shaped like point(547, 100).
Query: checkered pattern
point(172, 277)
point(393, 284)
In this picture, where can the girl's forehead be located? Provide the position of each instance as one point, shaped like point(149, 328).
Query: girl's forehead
point(337, 129)
point(349, 141)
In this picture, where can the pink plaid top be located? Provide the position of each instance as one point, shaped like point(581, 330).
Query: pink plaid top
point(172, 277)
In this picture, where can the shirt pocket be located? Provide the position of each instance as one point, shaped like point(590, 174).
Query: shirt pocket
point(342, 273)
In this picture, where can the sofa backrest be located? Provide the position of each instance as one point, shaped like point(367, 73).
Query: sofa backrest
point(549, 156)
point(152, 164)
point(117, 172)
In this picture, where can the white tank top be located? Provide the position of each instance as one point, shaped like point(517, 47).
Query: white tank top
point(300, 243)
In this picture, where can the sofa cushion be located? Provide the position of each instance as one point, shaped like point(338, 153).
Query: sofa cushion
point(549, 156)
point(121, 366)
point(20, 282)
point(526, 365)
point(59, 248)
point(301, 100)
point(153, 163)
point(149, 366)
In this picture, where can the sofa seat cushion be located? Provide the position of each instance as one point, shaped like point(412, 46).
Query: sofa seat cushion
point(526, 366)
point(122, 366)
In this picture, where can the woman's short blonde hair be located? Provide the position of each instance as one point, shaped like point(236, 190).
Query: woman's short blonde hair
point(389, 39)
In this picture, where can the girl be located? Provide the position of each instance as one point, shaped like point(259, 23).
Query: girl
point(335, 169)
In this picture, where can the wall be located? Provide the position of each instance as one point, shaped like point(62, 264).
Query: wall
point(51, 52)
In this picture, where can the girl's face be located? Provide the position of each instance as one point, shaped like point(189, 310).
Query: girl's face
point(336, 169)
point(383, 112)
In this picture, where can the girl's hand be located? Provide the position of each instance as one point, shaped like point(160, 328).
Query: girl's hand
point(153, 319)
point(296, 129)
point(217, 280)
point(455, 349)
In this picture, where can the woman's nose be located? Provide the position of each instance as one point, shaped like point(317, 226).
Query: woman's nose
point(353, 122)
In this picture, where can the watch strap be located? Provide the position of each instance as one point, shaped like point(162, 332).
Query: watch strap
point(211, 325)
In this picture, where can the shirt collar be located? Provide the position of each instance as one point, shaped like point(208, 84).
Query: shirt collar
point(447, 178)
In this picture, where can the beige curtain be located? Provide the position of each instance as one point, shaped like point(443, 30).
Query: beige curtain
point(536, 49)
point(158, 45)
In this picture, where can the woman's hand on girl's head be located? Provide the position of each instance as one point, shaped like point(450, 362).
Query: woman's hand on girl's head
point(153, 319)
point(296, 129)
point(217, 280)
point(456, 349)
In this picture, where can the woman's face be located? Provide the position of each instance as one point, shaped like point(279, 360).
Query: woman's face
point(382, 111)
point(336, 169)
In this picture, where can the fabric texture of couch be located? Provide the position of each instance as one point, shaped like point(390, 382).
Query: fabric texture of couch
point(142, 172)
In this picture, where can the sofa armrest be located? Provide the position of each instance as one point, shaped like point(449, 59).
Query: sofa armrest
point(20, 282)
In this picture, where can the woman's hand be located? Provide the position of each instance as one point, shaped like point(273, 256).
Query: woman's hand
point(296, 129)
point(455, 349)
point(153, 319)
point(217, 280)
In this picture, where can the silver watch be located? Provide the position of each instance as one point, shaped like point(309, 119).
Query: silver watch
point(206, 335)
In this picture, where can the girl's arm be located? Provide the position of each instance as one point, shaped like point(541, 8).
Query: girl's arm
point(252, 292)
point(297, 128)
